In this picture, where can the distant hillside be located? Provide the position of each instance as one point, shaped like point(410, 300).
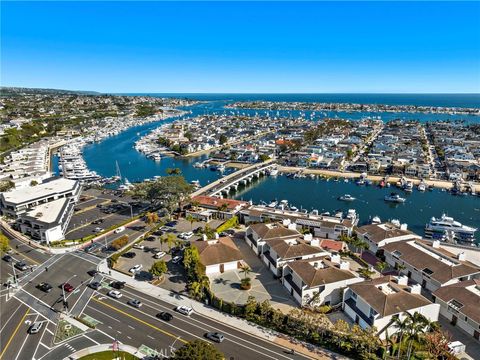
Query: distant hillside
point(9, 91)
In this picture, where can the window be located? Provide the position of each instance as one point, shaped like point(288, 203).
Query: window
point(372, 313)
point(353, 295)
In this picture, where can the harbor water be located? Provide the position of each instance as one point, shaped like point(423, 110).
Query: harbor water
point(306, 193)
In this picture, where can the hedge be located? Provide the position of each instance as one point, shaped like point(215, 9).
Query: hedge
point(232, 222)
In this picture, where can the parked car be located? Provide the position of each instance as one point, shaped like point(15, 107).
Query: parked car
point(177, 259)
point(119, 229)
point(151, 238)
point(136, 268)
point(171, 224)
point(45, 287)
point(97, 222)
point(20, 265)
point(135, 303)
point(187, 235)
point(129, 255)
point(115, 294)
point(7, 258)
point(165, 229)
point(215, 336)
point(118, 285)
point(185, 310)
point(94, 285)
point(138, 246)
point(166, 316)
point(160, 254)
point(35, 327)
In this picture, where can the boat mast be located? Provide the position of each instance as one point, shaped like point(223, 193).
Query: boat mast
point(117, 169)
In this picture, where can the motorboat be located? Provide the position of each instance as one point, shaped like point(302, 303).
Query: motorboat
point(273, 204)
point(394, 197)
point(346, 197)
point(422, 186)
point(273, 172)
point(376, 220)
point(437, 227)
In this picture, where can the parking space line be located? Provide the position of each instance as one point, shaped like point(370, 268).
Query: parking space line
point(14, 333)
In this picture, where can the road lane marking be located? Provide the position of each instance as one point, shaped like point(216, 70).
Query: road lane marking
point(14, 333)
point(131, 327)
point(18, 308)
point(151, 337)
point(24, 341)
point(111, 317)
point(89, 338)
point(191, 321)
point(139, 320)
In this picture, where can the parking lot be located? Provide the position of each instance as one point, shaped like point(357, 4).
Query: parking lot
point(100, 209)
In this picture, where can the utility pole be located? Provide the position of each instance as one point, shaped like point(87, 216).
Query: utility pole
point(65, 303)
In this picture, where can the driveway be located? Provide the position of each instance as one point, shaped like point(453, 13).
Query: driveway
point(472, 345)
point(264, 286)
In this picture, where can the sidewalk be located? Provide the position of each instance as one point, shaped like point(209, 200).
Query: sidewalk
point(229, 320)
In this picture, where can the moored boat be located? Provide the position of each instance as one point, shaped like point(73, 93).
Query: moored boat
point(394, 197)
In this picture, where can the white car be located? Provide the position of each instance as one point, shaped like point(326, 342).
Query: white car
point(138, 246)
point(119, 230)
point(177, 259)
point(185, 310)
point(115, 294)
point(187, 235)
point(136, 268)
point(160, 254)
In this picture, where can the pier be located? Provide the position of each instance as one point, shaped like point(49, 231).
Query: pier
point(242, 176)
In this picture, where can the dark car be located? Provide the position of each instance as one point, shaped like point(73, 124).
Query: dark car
point(45, 287)
point(129, 255)
point(171, 224)
point(158, 232)
point(7, 258)
point(118, 285)
point(68, 287)
point(151, 238)
point(166, 316)
point(20, 265)
point(95, 285)
point(92, 272)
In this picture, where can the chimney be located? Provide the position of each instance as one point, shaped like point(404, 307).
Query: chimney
point(307, 237)
point(335, 259)
point(436, 244)
point(415, 289)
point(315, 242)
point(286, 222)
point(462, 256)
point(344, 265)
point(217, 236)
point(204, 237)
point(402, 280)
point(292, 226)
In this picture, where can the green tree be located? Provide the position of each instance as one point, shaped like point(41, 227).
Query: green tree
point(158, 268)
point(223, 139)
point(381, 266)
point(167, 191)
point(366, 273)
point(33, 183)
point(191, 220)
point(170, 240)
point(263, 157)
point(173, 171)
point(151, 218)
point(245, 270)
point(191, 259)
point(198, 350)
point(4, 244)
point(6, 185)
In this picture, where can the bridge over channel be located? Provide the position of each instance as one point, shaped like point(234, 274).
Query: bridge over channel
point(233, 180)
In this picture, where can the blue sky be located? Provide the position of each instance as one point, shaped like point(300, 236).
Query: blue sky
point(242, 47)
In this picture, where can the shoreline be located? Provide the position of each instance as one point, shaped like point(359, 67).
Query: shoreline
point(440, 184)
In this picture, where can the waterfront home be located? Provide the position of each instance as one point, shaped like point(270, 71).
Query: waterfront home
point(206, 208)
point(322, 226)
point(257, 234)
point(318, 280)
point(378, 235)
point(428, 264)
point(459, 304)
point(378, 302)
point(218, 255)
point(278, 252)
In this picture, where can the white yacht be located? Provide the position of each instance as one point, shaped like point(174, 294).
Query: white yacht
point(273, 172)
point(422, 186)
point(273, 204)
point(376, 220)
point(346, 197)
point(437, 227)
point(395, 198)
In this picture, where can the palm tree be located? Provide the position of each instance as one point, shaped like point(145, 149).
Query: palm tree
point(163, 240)
point(170, 240)
point(417, 325)
point(402, 327)
point(381, 266)
point(195, 289)
point(245, 270)
point(366, 273)
point(191, 220)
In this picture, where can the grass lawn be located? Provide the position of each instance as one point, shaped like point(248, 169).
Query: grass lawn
point(110, 355)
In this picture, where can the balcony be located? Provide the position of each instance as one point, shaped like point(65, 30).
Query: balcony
point(288, 278)
point(352, 305)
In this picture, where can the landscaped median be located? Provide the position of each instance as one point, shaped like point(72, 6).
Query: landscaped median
point(108, 352)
